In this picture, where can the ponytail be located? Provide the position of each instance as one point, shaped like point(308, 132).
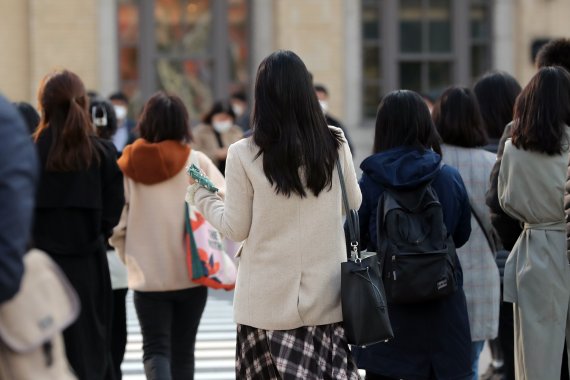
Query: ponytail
point(64, 114)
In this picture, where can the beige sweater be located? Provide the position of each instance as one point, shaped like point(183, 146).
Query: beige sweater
point(289, 270)
point(149, 235)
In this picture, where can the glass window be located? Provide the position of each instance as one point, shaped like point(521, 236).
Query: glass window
point(238, 37)
point(371, 99)
point(372, 62)
point(479, 60)
point(371, 27)
point(411, 76)
point(479, 21)
point(439, 77)
point(411, 26)
point(128, 35)
point(439, 26)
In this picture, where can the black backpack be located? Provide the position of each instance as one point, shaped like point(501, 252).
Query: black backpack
point(419, 257)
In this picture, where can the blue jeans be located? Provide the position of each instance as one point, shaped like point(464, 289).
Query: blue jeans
point(476, 348)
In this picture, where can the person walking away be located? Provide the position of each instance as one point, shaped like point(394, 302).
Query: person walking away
point(531, 189)
point(323, 96)
point(431, 339)
point(284, 199)
point(105, 123)
point(238, 101)
point(125, 134)
point(458, 120)
point(149, 237)
point(216, 133)
point(78, 203)
point(496, 93)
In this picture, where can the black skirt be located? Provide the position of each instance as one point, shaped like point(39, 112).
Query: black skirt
point(312, 352)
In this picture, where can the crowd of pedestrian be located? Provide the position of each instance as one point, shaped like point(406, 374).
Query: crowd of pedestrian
point(103, 195)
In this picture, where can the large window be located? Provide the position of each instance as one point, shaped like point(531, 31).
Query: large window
point(432, 44)
point(197, 49)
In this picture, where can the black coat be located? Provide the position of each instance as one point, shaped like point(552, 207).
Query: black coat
point(76, 210)
point(508, 228)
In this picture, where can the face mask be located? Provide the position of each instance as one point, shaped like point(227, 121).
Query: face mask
point(121, 112)
point(222, 126)
point(324, 105)
point(238, 109)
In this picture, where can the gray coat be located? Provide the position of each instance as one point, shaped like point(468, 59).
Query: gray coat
point(537, 274)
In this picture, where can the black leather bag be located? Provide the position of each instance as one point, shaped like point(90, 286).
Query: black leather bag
point(364, 306)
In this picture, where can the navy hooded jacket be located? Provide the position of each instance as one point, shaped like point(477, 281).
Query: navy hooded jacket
point(431, 339)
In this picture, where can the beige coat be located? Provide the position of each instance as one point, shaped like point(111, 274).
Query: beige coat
point(537, 274)
point(204, 139)
point(149, 235)
point(289, 270)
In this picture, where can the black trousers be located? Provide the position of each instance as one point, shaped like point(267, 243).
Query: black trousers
point(87, 340)
point(169, 324)
point(118, 330)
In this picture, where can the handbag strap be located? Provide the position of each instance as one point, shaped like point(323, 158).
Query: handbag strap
point(351, 216)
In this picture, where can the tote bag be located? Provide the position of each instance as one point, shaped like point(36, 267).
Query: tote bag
point(206, 258)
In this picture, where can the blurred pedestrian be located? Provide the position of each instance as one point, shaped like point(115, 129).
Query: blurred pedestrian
point(216, 133)
point(79, 202)
point(149, 237)
point(125, 133)
point(284, 200)
point(323, 96)
point(29, 114)
point(105, 123)
point(238, 100)
point(458, 120)
point(18, 178)
point(431, 339)
point(496, 93)
point(531, 185)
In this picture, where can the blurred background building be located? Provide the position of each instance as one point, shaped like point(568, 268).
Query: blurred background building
point(205, 49)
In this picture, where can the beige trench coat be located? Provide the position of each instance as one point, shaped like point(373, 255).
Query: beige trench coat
point(537, 273)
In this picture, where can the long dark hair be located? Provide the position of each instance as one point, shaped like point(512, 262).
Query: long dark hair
point(63, 105)
point(496, 93)
point(457, 118)
point(542, 112)
point(290, 129)
point(403, 119)
point(164, 117)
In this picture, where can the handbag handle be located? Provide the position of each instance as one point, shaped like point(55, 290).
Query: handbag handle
point(351, 218)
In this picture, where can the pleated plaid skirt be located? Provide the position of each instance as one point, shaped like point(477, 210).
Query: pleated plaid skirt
point(312, 352)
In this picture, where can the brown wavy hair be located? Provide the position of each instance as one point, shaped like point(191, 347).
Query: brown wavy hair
point(63, 104)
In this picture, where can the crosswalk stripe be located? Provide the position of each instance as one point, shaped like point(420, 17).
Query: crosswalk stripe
point(215, 342)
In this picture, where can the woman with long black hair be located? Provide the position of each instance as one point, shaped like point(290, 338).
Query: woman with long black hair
point(79, 201)
point(283, 199)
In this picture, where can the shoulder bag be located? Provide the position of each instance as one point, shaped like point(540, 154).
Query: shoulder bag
point(364, 306)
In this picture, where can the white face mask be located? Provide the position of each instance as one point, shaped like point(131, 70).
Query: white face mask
point(324, 105)
point(121, 112)
point(238, 109)
point(222, 126)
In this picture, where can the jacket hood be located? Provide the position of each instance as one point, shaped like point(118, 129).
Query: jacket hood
point(403, 167)
point(151, 163)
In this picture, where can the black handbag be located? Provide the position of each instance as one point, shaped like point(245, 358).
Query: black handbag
point(364, 306)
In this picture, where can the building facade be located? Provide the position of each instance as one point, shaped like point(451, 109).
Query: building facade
point(205, 49)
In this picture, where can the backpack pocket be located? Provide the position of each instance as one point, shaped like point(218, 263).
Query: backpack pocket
point(419, 277)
